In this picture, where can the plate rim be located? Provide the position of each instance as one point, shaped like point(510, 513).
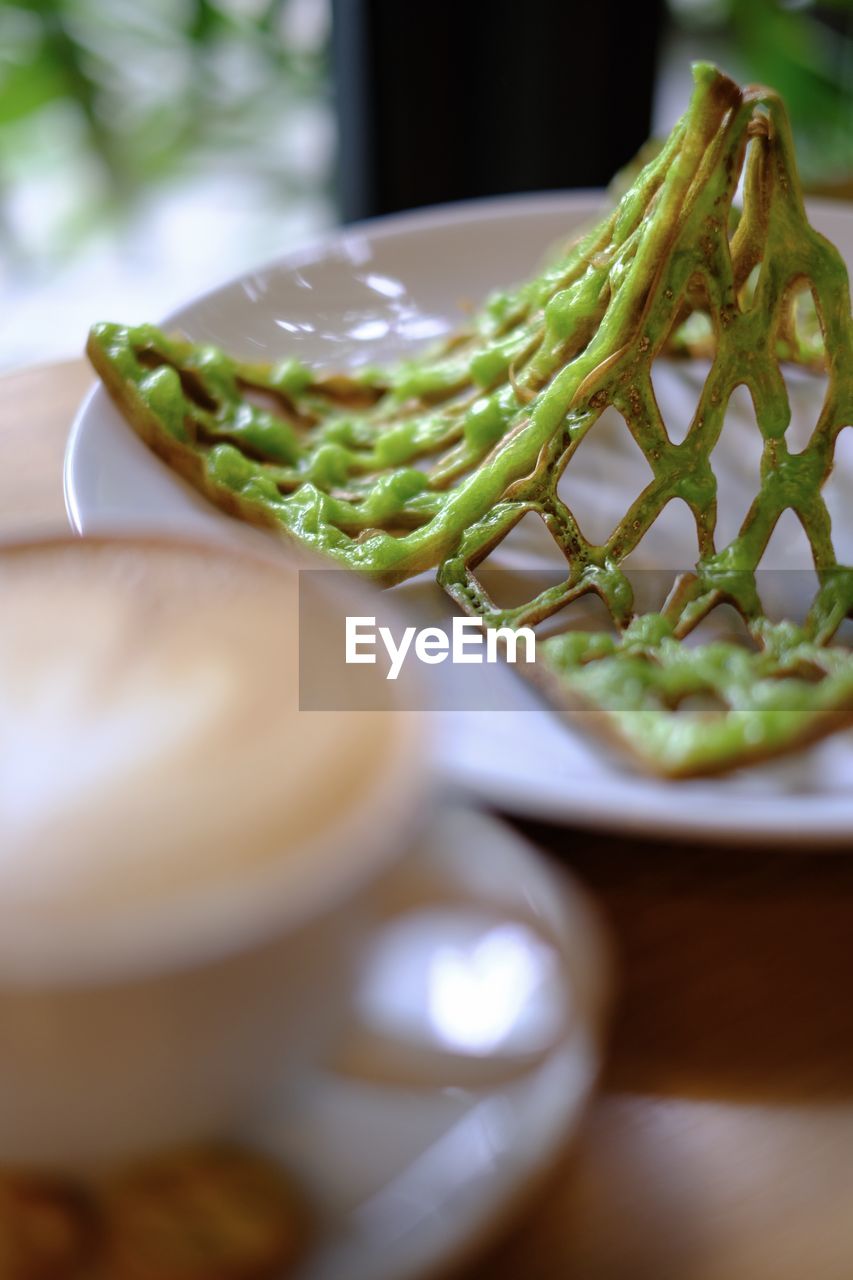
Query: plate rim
point(646, 823)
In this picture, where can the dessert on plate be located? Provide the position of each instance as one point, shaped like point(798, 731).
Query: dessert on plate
point(432, 463)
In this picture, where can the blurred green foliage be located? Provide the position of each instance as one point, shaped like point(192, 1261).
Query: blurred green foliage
point(805, 51)
point(140, 91)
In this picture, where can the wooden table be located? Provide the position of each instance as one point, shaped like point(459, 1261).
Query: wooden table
point(721, 1146)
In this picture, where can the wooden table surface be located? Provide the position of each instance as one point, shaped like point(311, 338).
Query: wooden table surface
point(721, 1145)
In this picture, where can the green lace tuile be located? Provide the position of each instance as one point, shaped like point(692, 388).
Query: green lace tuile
point(431, 464)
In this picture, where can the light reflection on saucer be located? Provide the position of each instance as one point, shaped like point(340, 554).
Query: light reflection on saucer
point(460, 980)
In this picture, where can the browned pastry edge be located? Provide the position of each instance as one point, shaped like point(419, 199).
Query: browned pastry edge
point(568, 703)
point(178, 456)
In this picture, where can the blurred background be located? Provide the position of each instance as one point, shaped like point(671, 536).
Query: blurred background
point(150, 149)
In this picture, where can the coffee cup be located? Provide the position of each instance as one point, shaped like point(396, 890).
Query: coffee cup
point(184, 854)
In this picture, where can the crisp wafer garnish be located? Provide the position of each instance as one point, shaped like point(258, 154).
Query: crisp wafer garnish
point(209, 1213)
point(432, 464)
point(47, 1228)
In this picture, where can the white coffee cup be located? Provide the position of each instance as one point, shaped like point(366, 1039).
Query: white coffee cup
point(138, 1012)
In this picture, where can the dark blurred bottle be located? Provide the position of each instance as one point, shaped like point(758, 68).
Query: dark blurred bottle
point(448, 99)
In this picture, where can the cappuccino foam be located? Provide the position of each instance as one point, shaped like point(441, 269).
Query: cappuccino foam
point(151, 743)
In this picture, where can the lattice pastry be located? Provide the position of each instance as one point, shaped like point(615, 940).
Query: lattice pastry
point(431, 464)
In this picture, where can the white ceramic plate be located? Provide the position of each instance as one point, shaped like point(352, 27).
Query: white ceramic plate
point(405, 1180)
point(378, 290)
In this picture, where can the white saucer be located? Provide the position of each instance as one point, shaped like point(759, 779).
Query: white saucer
point(378, 290)
point(403, 1179)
